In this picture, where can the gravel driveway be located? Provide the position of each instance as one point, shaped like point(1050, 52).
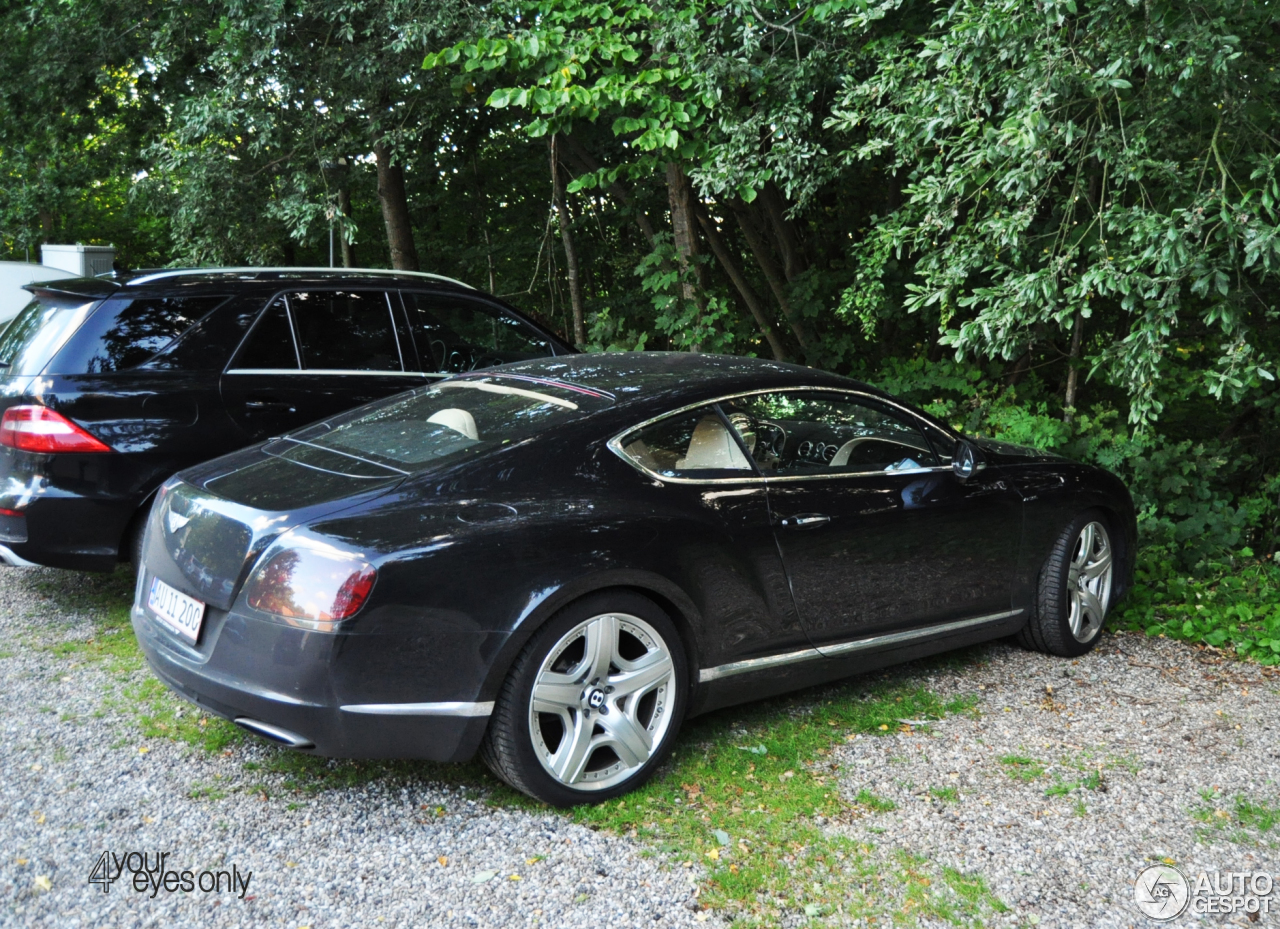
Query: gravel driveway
point(1067, 778)
point(394, 852)
point(1074, 775)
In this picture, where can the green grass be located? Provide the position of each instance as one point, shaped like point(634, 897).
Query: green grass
point(1245, 822)
point(1021, 768)
point(873, 803)
point(778, 858)
point(945, 794)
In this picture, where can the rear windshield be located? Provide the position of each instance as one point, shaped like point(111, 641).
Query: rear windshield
point(35, 335)
point(452, 420)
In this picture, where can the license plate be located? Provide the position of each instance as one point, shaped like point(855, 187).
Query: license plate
point(176, 610)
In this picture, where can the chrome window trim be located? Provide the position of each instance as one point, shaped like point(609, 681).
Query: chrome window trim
point(448, 708)
point(329, 371)
point(395, 333)
point(615, 444)
point(293, 328)
point(848, 648)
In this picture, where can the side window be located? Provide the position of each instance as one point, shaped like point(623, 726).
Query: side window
point(125, 333)
point(943, 443)
point(345, 331)
point(270, 343)
point(456, 334)
point(696, 444)
point(799, 432)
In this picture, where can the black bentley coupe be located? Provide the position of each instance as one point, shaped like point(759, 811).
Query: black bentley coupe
point(555, 562)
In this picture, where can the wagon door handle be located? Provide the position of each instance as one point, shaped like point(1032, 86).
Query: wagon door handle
point(806, 521)
point(263, 405)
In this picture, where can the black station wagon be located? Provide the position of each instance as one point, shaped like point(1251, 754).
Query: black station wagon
point(110, 385)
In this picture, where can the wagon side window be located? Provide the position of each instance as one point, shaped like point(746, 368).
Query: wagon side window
point(693, 445)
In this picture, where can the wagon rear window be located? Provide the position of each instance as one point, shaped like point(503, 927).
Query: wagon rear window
point(454, 419)
point(36, 334)
point(124, 333)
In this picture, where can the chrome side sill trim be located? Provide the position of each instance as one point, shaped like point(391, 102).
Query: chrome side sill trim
point(893, 638)
point(757, 664)
point(421, 709)
point(847, 648)
point(8, 557)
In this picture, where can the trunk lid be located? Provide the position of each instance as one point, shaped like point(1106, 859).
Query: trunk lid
point(210, 524)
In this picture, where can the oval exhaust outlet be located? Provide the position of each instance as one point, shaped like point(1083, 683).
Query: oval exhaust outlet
point(274, 733)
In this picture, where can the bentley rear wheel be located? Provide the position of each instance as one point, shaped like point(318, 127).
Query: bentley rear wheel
point(592, 704)
point(1074, 590)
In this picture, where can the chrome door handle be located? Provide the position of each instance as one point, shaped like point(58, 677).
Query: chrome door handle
point(261, 405)
point(806, 521)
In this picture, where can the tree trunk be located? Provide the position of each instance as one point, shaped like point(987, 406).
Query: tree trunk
point(749, 296)
point(588, 164)
point(395, 210)
point(799, 325)
point(1073, 369)
point(46, 226)
point(686, 240)
point(794, 261)
point(348, 250)
point(570, 253)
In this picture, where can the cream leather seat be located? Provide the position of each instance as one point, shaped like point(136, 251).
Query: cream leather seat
point(712, 448)
point(457, 420)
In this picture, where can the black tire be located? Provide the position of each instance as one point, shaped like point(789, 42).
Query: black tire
point(509, 745)
point(1050, 628)
point(134, 535)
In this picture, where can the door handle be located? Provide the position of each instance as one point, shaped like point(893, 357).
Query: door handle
point(264, 405)
point(806, 521)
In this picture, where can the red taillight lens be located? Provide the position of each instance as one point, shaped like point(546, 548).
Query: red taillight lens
point(40, 429)
point(313, 587)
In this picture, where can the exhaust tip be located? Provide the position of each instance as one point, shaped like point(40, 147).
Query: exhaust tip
point(274, 733)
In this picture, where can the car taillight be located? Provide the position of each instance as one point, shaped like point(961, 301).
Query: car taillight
point(310, 585)
point(40, 429)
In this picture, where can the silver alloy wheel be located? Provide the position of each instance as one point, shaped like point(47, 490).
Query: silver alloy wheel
point(601, 700)
point(1089, 582)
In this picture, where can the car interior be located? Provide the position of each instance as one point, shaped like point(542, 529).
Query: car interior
point(825, 436)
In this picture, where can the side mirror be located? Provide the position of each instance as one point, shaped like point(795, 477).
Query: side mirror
point(965, 461)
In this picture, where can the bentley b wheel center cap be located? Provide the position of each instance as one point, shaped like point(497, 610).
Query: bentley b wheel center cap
point(594, 698)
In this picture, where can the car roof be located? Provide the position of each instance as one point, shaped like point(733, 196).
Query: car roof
point(669, 378)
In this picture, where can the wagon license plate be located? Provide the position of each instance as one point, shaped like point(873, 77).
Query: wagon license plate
point(179, 612)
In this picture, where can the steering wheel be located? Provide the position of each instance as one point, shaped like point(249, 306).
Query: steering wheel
point(770, 439)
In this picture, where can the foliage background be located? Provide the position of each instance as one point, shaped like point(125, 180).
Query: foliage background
point(1054, 222)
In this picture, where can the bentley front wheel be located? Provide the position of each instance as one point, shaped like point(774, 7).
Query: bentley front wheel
point(1074, 590)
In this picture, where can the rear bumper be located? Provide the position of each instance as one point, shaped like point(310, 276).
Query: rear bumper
point(76, 508)
point(277, 681)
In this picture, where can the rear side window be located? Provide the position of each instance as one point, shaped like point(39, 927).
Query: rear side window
point(346, 331)
point(695, 445)
point(35, 335)
point(125, 333)
point(455, 334)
